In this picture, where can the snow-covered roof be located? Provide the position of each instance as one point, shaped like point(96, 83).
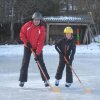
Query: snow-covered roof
point(70, 19)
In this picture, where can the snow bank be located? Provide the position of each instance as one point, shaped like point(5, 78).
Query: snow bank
point(93, 48)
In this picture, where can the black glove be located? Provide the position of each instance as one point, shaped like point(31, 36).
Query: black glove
point(37, 57)
point(29, 45)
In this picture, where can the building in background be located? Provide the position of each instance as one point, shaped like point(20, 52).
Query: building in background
point(83, 26)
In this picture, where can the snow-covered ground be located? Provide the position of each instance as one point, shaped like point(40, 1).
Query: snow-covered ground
point(93, 48)
point(86, 65)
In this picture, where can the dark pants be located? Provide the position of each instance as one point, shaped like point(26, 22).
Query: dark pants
point(25, 64)
point(62, 63)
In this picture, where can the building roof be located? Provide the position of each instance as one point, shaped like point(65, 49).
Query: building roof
point(69, 19)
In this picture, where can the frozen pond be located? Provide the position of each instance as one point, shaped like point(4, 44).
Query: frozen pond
point(86, 66)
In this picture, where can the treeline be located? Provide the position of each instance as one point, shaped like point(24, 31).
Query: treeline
point(14, 13)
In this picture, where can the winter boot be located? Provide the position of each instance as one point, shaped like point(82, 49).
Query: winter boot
point(67, 84)
point(21, 84)
point(56, 82)
point(46, 83)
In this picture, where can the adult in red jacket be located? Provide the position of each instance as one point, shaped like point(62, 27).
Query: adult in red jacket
point(32, 35)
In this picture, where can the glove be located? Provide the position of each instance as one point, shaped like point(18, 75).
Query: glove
point(29, 45)
point(36, 57)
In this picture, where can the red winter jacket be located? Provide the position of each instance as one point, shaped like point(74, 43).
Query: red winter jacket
point(33, 34)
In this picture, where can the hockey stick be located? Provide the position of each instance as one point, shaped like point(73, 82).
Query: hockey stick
point(85, 89)
point(54, 89)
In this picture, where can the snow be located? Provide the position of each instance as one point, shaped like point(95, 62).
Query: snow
point(93, 48)
point(86, 65)
point(34, 89)
point(63, 18)
point(97, 38)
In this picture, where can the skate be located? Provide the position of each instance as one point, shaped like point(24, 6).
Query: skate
point(57, 83)
point(21, 84)
point(67, 84)
point(46, 83)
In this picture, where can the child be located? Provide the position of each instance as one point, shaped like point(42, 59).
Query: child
point(65, 47)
